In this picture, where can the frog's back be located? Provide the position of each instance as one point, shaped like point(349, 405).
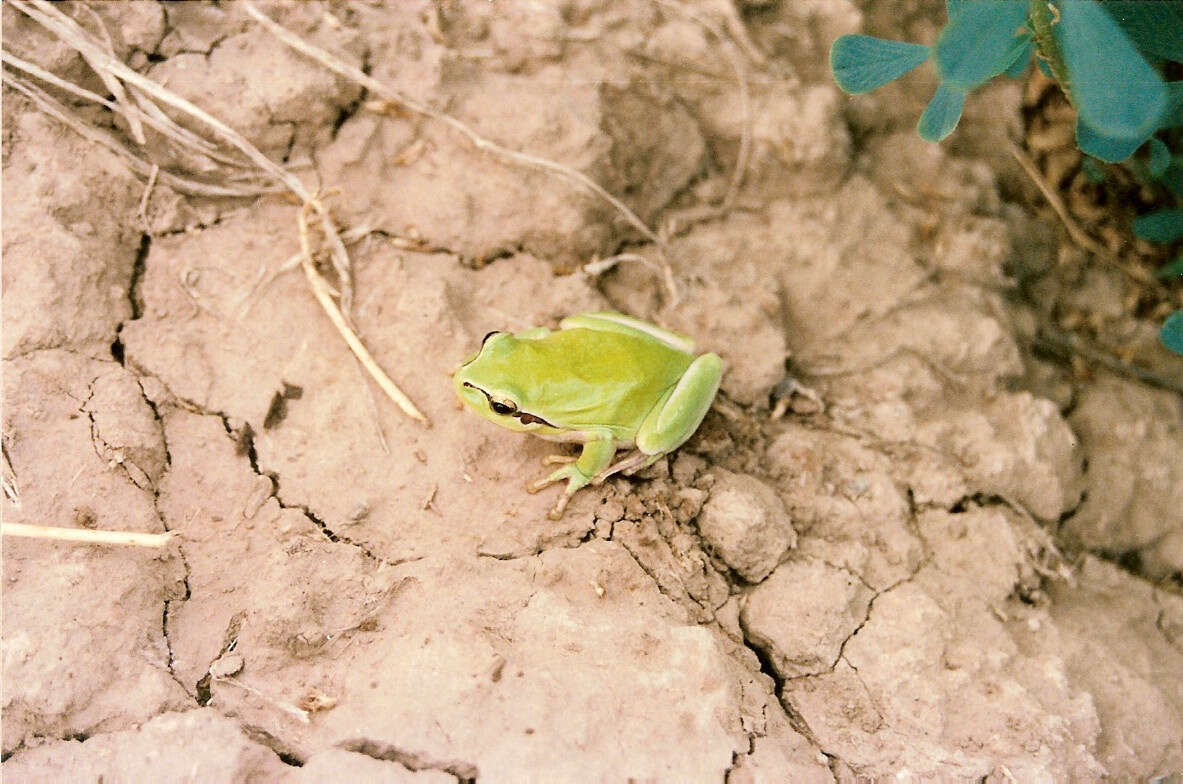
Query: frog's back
point(598, 377)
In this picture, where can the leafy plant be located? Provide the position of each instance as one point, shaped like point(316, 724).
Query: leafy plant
point(1172, 332)
point(1106, 56)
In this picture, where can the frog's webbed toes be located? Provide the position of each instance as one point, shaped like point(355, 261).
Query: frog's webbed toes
point(539, 484)
point(575, 480)
point(556, 511)
point(559, 459)
point(570, 472)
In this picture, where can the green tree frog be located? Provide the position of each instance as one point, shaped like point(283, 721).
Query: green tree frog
point(604, 380)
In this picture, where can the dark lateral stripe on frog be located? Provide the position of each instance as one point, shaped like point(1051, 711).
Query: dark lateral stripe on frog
point(524, 417)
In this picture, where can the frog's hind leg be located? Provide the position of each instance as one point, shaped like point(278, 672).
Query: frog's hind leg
point(630, 464)
point(674, 419)
point(681, 410)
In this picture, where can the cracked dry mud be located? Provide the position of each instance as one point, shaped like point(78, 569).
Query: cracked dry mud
point(868, 588)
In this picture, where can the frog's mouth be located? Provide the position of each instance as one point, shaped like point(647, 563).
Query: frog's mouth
point(525, 417)
point(472, 396)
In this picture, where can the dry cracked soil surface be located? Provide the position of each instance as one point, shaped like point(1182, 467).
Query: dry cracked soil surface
point(955, 562)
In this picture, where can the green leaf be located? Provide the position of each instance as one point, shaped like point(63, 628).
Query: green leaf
point(942, 114)
point(861, 63)
point(1044, 68)
point(1172, 332)
point(1156, 28)
point(1160, 157)
point(1171, 269)
point(1165, 225)
point(1173, 177)
point(1117, 93)
point(1173, 115)
point(1107, 148)
point(1022, 57)
point(978, 41)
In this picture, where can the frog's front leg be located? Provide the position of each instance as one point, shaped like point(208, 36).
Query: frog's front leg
point(598, 449)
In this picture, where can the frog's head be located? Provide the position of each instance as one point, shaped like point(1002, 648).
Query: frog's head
point(491, 384)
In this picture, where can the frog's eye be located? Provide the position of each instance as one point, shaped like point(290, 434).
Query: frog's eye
point(505, 409)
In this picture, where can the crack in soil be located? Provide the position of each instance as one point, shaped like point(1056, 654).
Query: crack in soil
point(134, 298)
point(63, 347)
point(465, 772)
point(137, 278)
point(346, 113)
point(136, 302)
point(244, 438)
point(167, 610)
point(652, 576)
point(838, 767)
point(286, 753)
point(39, 740)
point(736, 756)
point(870, 607)
point(562, 542)
point(796, 720)
point(193, 228)
point(111, 455)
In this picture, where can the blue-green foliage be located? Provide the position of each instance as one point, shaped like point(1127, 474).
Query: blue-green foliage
point(1172, 332)
point(942, 113)
point(1165, 225)
point(1172, 269)
point(1155, 26)
point(979, 42)
point(1120, 99)
point(1174, 114)
point(862, 63)
point(1160, 158)
point(1111, 51)
point(1108, 57)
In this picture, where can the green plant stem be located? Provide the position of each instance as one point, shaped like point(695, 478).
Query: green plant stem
point(1042, 24)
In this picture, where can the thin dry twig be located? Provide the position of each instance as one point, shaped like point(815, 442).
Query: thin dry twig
point(320, 290)
point(265, 278)
point(480, 142)
point(146, 196)
point(1069, 343)
point(86, 535)
point(69, 31)
point(741, 77)
point(152, 116)
point(55, 109)
point(1082, 240)
point(11, 491)
point(112, 84)
point(600, 266)
point(297, 713)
